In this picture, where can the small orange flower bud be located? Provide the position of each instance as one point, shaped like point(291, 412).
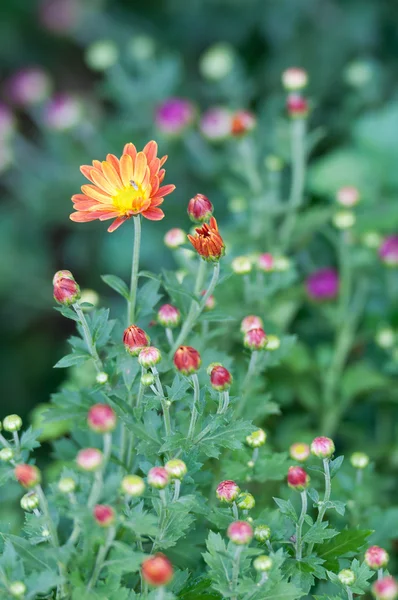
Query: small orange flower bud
point(243, 122)
point(66, 290)
point(187, 360)
point(200, 208)
point(157, 570)
point(27, 475)
point(207, 242)
point(135, 339)
point(101, 418)
point(104, 515)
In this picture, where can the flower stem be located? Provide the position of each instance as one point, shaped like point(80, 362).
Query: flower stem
point(169, 336)
point(235, 572)
point(177, 487)
point(88, 338)
point(246, 382)
point(163, 401)
point(101, 556)
point(379, 574)
point(299, 526)
point(328, 490)
point(194, 415)
point(99, 475)
point(349, 593)
point(134, 271)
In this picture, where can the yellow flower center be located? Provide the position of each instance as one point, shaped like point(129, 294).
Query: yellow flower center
point(131, 199)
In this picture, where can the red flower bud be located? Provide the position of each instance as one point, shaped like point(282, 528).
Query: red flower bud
point(101, 418)
point(89, 459)
point(322, 447)
point(200, 208)
point(227, 491)
point(27, 475)
point(385, 589)
point(210, 302)
point(242, 122)
point(297, 478)
point(158, 477)
point(240, 532)
point(157, 570)
point(207, 242)
point(297, 106)
point(255, 339)
point(135, 339)
point(104, 515)
point(251, 322)
point(169, 316)
point(376, 557)
point(66, 290)
point(220, 379)
point(187, 360)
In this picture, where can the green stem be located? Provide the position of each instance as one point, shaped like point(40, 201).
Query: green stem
point(299, 526)
point(163, 401)
point(101, 556)
point(194, 415)
point(88, 338)
point(99, 475)
point(4, 442)
point(134, 271)
point(170, 336)
point(349, 594)
point(379, 574)
point(235, 572)
point(328, 490)
point(226, 401)
point(177, 487)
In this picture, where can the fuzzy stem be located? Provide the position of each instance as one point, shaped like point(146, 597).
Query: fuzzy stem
point(88, 339)
point(299, 526)
point(163, 401)
point(194, 415)
point(177, 487)
point(101, 556)
point(379, 574)
point(226, 401)
point(134, 271)
point(220, 402)
point(161, 593)
point(4, 442)
point(235, 572)
point(170, 336)
point(349, 593)
point(99, 475)
point(326, 497)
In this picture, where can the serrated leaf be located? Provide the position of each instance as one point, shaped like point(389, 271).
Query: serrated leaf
point(287, 508)
point(346, 542)
point(318, 533)
point(117, 284)
point(71, 360)
point(335, 465)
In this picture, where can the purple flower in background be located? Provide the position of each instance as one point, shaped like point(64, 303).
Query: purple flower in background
point(388, 250)
point(174, 114)
point(323, 284)
point(63, 112)
point(216, 123)
point(7, 122)
point(59, 16)
point(28, 86)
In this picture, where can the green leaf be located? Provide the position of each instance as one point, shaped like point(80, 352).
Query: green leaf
point(346, 542)
point(271, 468)
point(287, 508)
point(29, 439)
point(199, 589)
point(123, 559)
point(335, 465)
point(318, 533)
point(116, 284)
point(72, 360)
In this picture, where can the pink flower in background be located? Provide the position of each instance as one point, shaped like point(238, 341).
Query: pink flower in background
point(174, 115)
point(388, 250)
point(63, 112)
point(28, 86)
point(59, 16)
point(323, 284)
point(216, 123)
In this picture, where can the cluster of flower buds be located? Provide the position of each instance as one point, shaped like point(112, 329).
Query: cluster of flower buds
point(240, 533)
point(101, 418)
point(376, 557)
point(256, 439)
point(187, 360)
point(104, 515)
point(66, 290)
point(200, 209)
point(385, 588)
point(132, 485)
point(149, 357)
point(294, 81)
point(169, 316)
point(27, 475)
point(298, 479)
point(135, 339)
point(220, 378)
point(227, 491)
point(158, 478)
point(157, 570)
point(89, 459)
point(208, 242)
point(175, 238)
point(322, 447)
point(299, 451)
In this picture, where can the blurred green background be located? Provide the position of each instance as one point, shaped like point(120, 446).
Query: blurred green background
point(118, 60)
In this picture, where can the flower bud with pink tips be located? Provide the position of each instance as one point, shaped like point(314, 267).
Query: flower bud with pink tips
point(376, 557)
point(298, 479)
point(297, 106)
point(132, 485)
point(187, 360)
point(255, 339)
point(149, 357)
point(27, 475)
point(135, 339)
point(322, 447)
point(66, 290)
point(158, 478)
point(348, 196)
point(175, 237)
point(200, 209)
point(240, 533)
point(169, 316)
point(299, 451)
point(101, 418)
point(251, 322)
point(227, 491)
point(294, 79)
point(265, 262)
point(176, 468)
point(104, 515)
point(385, 589)
point(220, 379)
point(89, 459)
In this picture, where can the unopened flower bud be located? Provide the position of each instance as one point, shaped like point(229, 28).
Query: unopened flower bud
point(297, 478)
point(243, 122)
point(208, 242)
point(294, 79)
point(299, 451)
point(376, 557)
point(12, 423)
point(297, 106)
point(210, 302)
point(359, 460)
point(27, 475)
point(262, 533)
point(176, 468)
point(45, 533)
point(344, 219)
point(175, 237)
point(211, 367)
point(174, 115)
point(147, 379)
point(67, 485)
point(371, 239)
point(135, 339)
point(323, 284)
point(251, 322)
point(157, 570)
point(102, 378)
point(66, 290)
point(216, 123)
point(263, 563)
point(101, 55)
point(241, 265)
point(281, 264)
point(322, 447)
point(30, 501)
point(388, 251)
point(273, 342)
point(348, 196)
point(240, 532)
point(227, 491)
point(6, 454)
point(255, 339)
point(89, 459)
point(28, 86)
point(245, 501)
point(273, 163)
point(17, 589)
point(220, 379)
point(158, 478)
point(104, 515)
point(385, 589)
point(250, 464)
point(265, 262)
point(385, 338)
point(101, 418)
point(169, 316)
point(346, 577)
point(149, 357)
point(256, 439)
point(187, 360)
point(133, 485)
point(200, 209)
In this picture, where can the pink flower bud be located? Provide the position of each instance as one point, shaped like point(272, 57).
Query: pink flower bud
point(27, 475)
point(227, 491)
point(157, 570)
point(265, 262)
point(348, 196)
point(149, 357)
point(63, 112)
point(175, 237)
point(385, 589)
point(28, 86)
point(297, 478)
point(169, 316)
point(243, 122)
point(210, 302)
point(323, 284)
point(376, 557)
point(187, 360)
point(297, 106)
point(101, 418)
point(388, 251)
point(299, 451)
point(255, 339)
point(133, 485)
point(176, 468)
point(200, 209)
point(216, 124)
point(89, 459)
point(251, 322)
point(240, 532)
point(135, 339)
point(174, 115)
point(158, 477)
point(220, 379)
point(322, 447)
point(294, 79)
point(66, 290)
point(104, 515)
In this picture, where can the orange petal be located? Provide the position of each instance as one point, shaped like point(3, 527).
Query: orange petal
point(163, 160)
point(151, 150)
point(94, 192)
point(119, 221)
point(165, 190)
point(126, 169)
point(85, 204)
point(156, 202)
point(82, 217)
point(153, 214)
point(140, 165)
point(102, 182)
point(111, 175)
point(86, 171)
point(114, 161)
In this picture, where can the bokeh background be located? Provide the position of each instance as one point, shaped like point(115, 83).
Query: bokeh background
point(102, 68)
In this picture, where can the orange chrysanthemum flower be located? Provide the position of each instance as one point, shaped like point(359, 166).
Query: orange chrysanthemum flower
point(208, 242)
point(121, 189)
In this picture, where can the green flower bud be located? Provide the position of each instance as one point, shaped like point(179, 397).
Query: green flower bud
point(257, 438)
point(102, 378)
point(346, 577)
point(262, 533)
point(147, 379)
point(263, 563)
point(12, 423)
point(67, 485)
point(245, 501)
point(176, 468)
point(30, 502)
point(273, 342)
point(133, 485)
point(359, 460)
point(17, 589)
point(6, 454)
